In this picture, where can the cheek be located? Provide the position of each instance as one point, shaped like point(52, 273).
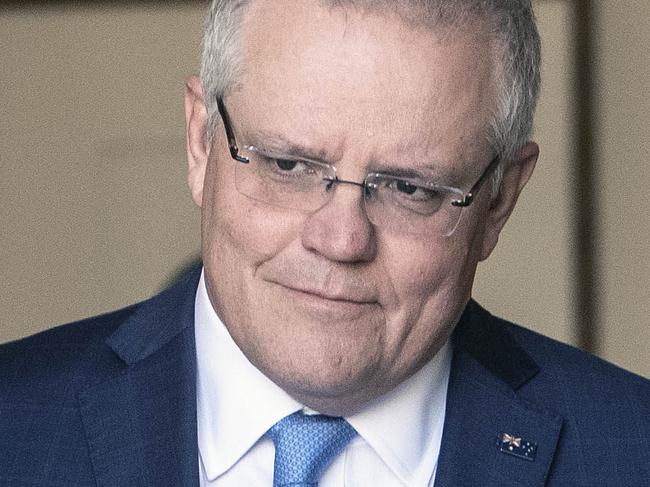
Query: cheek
point(239, 235)
point(426, 295)
point(258, 232)
point(428, 283)
point(420, 270)
point(246, 231)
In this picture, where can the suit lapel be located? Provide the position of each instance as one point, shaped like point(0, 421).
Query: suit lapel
point(482, 405)
point(141, 424)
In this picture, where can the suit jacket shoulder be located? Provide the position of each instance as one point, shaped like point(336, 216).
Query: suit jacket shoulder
point(44, 368)
point(605, 411)
point(40, 377)
point(589, 420)
point(83, 404)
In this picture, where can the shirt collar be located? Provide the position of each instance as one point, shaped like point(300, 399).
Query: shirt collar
point(229, 392)
point(403, 427)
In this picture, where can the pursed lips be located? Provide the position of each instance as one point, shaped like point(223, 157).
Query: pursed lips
point(349, 294)
point(344, 298)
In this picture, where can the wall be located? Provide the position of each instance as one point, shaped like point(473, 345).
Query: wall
point(623, 148)
point(96, 213)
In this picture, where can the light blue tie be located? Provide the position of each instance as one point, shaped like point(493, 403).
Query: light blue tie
point(305, 445)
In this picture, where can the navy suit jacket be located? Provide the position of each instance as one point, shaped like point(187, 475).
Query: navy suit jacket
point(111, 401)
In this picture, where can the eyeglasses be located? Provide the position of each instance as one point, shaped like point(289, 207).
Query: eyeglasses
point(410, 205)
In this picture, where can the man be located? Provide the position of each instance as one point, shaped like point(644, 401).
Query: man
point(353, 162)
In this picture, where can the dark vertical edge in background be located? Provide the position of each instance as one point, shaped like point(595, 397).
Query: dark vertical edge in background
point(585, 178)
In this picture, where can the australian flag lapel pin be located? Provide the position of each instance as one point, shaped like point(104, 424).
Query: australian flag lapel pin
point(517, 446)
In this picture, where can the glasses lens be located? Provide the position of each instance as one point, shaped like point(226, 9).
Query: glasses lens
point(286, 183)
point(411, 206)
point(396, 204)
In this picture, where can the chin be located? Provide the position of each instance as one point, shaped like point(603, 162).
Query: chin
point(329, 385)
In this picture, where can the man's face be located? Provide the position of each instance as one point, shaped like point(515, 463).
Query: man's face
point(333, 309)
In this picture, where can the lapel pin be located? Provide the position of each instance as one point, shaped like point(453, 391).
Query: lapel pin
point(517, 446)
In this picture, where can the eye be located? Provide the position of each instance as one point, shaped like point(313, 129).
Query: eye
point(415, 197)
point(287, 167)
point(288, 170)
point(411, 191)
point(285, 164)
point(405, 187)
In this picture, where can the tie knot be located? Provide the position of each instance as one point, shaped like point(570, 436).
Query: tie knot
point(305, 445)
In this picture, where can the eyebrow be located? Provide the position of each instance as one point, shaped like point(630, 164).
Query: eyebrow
point(438, 173)
point(280, 145)
point(277, 143)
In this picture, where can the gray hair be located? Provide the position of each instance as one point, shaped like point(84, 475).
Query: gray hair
point(514, 29)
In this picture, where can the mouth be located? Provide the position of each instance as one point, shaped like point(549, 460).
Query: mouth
point(345, 297)
point(328, 306)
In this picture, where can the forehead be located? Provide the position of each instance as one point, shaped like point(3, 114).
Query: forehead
point(364, 78)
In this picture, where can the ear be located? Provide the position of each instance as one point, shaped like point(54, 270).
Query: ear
point(516, 173)
point(196, 126)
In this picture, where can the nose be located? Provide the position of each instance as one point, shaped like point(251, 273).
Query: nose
point(340, 230)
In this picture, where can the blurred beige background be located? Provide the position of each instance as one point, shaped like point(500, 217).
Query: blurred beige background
point(95, 213)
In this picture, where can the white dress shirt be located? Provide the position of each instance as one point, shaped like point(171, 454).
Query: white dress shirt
point(399, 434)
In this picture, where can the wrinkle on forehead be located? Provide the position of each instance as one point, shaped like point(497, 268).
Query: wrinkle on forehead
point(376, 82)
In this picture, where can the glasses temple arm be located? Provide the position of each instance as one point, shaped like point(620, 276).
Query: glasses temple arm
point(469, 196)
point(232, 143)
